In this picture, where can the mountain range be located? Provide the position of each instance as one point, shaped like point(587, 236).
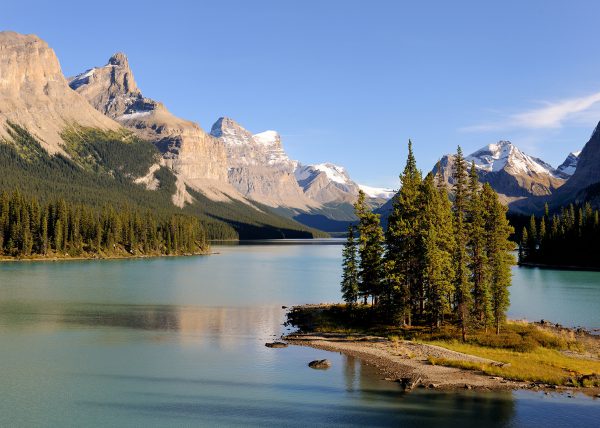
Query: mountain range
point(98, 128)
point(230, 162)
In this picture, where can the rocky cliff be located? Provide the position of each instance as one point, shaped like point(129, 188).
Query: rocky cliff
point(196, 157)
point(35, 95)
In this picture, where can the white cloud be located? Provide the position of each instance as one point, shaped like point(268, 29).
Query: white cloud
point(552, 115)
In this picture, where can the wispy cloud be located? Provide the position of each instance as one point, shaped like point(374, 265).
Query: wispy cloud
point(551, 115)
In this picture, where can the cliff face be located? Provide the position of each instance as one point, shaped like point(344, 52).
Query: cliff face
point(259, 168)
point(186, 148)
point(35, 94)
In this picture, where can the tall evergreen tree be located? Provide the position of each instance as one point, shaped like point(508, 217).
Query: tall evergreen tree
point(403, 247)
point(350, 269)
point(478, 260)
point(499, 248)
point(370, 249)
point(461, 279)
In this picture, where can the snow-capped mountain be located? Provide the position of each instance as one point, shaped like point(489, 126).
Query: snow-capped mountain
point(259, 168)
point(326, 183)
point(569, 166)
point(512, 173)
point(504, 155)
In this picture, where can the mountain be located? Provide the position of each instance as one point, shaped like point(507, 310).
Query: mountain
point(512, 174)
point(55, 145)
point(35, 95)
point(584, 184)
point(320, 195)
point(569, 166)
point(259, 168)
point(198, 160)
point(326, 183)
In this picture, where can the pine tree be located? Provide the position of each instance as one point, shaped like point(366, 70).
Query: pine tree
point(370, 250)
point(461, 280)
point(438, 239)
point(403, 246)
point(498, 247)
point(478, 261)
point(350, 269)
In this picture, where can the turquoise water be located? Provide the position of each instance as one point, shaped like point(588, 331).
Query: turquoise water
point(180, 342)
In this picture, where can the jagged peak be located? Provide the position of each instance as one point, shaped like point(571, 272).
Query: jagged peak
point(119, 59)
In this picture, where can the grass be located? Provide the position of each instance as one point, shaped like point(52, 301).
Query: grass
point(544, 365)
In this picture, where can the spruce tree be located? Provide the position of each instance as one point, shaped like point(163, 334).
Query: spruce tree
point(461, 270)
point(370, 250)
point(350, 269)
point(478, 260)
point(403, 246)
point(499, 250)
point(438, 239)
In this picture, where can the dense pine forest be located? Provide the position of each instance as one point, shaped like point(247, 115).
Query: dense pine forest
point(98, 171)
point(28, 228)
point(570, 238)
point(439, 260)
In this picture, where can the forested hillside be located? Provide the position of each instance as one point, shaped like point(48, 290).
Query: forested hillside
point(99, 169)
point(570, 238)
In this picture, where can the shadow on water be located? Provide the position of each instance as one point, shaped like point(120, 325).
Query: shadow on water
point(371, 405)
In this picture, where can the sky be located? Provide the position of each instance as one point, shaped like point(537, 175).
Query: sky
point(350, 82)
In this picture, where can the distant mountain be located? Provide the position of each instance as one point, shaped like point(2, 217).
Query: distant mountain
point(512, 174)
point(569, 166)
point(319, 195)
point(584, 184)
point(259, 168)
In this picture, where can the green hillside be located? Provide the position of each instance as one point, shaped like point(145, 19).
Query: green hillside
point(99, 170)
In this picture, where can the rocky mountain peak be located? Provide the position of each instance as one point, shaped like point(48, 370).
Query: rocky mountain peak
point(569, 166)
point(35, 94)
point(119, 59)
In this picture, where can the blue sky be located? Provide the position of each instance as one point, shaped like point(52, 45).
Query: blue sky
point(350, 81)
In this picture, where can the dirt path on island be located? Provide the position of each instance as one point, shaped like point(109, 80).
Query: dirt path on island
point(399, 360)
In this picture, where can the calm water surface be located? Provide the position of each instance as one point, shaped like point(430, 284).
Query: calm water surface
point(180, 342)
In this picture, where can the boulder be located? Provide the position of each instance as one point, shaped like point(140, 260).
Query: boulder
point(319, 364)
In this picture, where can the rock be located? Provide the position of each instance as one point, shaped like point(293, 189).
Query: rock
point(320, 364)
point(468, 387)
point(433, 386)
point(276, 345)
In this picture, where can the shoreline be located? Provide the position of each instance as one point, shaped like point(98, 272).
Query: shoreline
point(405, 362)
point(433, 365)
point(559, 267)
point(98, 258)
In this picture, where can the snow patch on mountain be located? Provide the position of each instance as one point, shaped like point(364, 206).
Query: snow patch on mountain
point(334, 172)
point(377, 192)
point(267, 138)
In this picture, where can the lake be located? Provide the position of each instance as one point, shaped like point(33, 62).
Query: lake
point(180, 342)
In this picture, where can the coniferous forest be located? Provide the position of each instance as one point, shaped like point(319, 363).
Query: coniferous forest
point(58, 228)
point(439, 261)
point(570, 238)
